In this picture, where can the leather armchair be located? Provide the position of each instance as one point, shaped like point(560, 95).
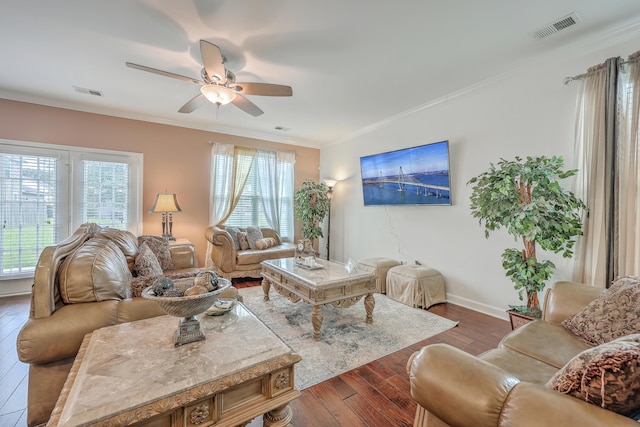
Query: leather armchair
point(505, 386)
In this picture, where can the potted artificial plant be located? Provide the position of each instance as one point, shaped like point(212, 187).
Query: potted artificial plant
point(525, 198)
point(311, 205)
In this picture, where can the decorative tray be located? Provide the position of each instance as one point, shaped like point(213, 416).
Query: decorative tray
point(310, 267)
point(221, 306)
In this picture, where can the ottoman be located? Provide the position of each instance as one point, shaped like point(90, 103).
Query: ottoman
point(379, 266)
point(416, 285)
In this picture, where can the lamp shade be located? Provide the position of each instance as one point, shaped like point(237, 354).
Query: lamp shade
point(218, 94)
point(167, 202)
point(330, 182)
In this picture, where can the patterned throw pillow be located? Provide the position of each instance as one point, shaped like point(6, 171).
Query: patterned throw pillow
point(607, 375)
point(253, 234)
point(242, 240)
point(233, 232)
point(160, 247)
point(146, 264)
point(613, 314)
point(265, 243)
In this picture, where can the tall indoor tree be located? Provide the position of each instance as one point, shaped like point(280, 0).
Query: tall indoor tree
point(525, 198)
point(311, 205)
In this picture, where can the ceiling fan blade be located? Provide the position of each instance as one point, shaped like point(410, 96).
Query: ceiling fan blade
point(195, 103)
point(247, 106)
point(212, 60)
point(264, 89)
point(163, 73)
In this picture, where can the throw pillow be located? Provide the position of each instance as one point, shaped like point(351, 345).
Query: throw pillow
point(253, 234)
point(233, 232)
point(160, 247)
point(146, 264)
point(265, 243)
point(607, 375)
point(242, 240)
point(613, 314)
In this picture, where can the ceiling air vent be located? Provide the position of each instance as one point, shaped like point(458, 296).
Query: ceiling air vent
point(560, 24)
point(87, 91)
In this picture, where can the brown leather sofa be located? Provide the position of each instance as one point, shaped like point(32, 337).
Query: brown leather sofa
point(229, 262)
point(51, 337)
point(505, 386)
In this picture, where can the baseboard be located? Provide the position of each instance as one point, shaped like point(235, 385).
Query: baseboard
point(500, 313)
point(15, 294)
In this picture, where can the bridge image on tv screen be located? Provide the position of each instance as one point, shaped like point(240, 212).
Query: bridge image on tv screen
point(411, 176)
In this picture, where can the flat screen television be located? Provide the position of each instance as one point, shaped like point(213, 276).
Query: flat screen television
point(410, 176)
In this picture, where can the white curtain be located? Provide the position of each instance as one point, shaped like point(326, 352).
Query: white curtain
point(629, 170)
point(285, 163)
point(230, 168)
point(591, 182)
point(275, 172)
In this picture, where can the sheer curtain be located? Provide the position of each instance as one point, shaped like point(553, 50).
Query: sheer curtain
point(230, 168)
point(275, 171)
point(629, 170)
point(606, 154)
point(591, 183)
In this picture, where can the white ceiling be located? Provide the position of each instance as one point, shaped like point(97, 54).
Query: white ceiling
point(351, 63)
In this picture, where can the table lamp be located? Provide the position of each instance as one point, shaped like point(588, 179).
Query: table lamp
point(166, 204)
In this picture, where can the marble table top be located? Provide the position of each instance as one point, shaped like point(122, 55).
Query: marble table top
point(133, 364)
point(330, 273)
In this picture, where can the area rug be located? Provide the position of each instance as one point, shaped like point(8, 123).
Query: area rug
point(347, 341)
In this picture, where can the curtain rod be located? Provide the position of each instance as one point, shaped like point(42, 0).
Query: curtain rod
point(568, 80)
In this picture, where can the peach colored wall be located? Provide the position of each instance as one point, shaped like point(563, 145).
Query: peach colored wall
point(176, 159)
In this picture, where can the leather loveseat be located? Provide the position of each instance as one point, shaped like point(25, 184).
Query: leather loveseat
point(506, 385)
point(230, 262)
point(51, 337)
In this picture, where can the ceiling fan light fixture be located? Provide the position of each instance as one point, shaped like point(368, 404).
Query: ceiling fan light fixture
point(218, 94)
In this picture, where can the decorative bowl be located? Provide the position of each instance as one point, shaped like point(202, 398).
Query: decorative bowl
point(187, 306)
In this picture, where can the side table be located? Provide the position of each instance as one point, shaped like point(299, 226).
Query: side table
point(183, 251)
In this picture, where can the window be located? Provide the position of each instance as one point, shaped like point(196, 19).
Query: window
point(264, 182)
point(47, 191)
point(250, 209)
point(105, 193)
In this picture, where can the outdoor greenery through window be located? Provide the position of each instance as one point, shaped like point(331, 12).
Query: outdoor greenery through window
point(106, 193)
point(27, 207)
point(48, 191)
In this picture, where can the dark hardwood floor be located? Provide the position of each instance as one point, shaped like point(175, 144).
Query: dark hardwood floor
point(14, 311)
point(376, 394)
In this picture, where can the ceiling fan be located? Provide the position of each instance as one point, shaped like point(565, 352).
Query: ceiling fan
point(218, 85)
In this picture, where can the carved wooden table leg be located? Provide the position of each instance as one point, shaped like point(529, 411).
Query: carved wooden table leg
point(279, 417)
point(316, 321)
point(369, 303)
point(266, 285)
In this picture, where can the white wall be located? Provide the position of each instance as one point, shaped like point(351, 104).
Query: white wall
point(528, 112)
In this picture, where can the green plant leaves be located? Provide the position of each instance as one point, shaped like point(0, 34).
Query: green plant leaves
point(526, 199)
point(311, 205)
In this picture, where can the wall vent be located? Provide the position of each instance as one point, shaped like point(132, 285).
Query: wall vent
point(559, 25)
point(87, 91)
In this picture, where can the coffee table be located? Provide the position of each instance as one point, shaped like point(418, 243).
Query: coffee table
point(132, 374)
point(328, 284)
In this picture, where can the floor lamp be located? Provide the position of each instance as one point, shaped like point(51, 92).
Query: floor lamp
point(329, 183)
point(166, 204)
